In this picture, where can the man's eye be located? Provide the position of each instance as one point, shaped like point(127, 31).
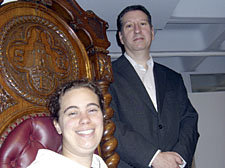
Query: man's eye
point(144, 23)
point(128, 26)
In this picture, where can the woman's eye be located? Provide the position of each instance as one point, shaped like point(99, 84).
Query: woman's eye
point(73, 113)
point(92, 110)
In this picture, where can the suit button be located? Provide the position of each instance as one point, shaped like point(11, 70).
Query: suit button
point(160, 126)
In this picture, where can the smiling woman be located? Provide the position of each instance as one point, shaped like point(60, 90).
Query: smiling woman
point(77, 112)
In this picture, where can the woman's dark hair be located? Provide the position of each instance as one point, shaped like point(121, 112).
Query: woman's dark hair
point(120, 23)
point(54, 101)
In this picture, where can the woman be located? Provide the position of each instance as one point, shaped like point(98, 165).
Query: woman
point(77, 111)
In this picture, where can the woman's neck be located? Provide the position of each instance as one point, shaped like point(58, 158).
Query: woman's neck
point(84, 160)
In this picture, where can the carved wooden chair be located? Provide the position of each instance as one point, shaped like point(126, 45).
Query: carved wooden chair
point(44, 43)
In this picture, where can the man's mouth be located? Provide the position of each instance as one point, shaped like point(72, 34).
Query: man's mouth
point(139, 38)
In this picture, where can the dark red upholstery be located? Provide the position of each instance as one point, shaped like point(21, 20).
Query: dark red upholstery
point(21, 145)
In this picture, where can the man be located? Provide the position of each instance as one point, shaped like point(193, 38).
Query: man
point(156, 125)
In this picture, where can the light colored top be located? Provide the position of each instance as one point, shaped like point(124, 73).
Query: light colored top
point(46, 158)
point(147, 78)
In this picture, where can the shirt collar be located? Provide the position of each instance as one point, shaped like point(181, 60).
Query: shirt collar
point(150, 62)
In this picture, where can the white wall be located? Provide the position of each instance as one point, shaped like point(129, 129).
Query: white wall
point(210, 151)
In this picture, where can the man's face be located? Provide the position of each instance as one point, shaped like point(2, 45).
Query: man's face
point(136, 33)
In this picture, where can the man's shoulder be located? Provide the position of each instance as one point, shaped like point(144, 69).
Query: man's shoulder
point(120, 63)
point(164, 68)
point(119, 60)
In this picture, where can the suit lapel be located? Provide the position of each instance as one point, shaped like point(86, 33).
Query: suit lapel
point(127, 70)
point(160, 85)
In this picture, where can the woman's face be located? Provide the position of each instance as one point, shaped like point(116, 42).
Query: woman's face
point(80, 122)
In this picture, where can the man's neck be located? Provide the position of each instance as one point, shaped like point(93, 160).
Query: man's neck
point(139, 57)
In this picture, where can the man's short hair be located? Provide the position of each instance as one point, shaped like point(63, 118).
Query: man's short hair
point(120, 23)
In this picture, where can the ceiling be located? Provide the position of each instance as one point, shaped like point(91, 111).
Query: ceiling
point(189, 34)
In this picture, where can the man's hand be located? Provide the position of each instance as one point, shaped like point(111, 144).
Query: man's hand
point(167, 160)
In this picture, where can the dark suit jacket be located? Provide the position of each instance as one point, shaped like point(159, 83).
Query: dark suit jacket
point(140, 129)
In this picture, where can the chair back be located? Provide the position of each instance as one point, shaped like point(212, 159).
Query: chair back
point(42, 45)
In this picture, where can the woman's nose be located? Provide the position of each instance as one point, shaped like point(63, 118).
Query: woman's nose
point(85, 118)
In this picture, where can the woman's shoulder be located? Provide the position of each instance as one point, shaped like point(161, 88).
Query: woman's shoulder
point(98, 162)
point(46, 158)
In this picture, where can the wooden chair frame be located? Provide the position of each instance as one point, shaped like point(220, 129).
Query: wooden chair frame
point(69, 41)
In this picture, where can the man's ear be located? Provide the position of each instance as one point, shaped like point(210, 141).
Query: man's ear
point(57, 127)
point(121, 38)
point(153, 34)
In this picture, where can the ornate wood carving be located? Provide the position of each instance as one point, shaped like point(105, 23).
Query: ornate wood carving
point(109, 142)
point(35, 57)
point(6, 100)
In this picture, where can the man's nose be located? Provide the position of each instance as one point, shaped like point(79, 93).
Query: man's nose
point(137, 28)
